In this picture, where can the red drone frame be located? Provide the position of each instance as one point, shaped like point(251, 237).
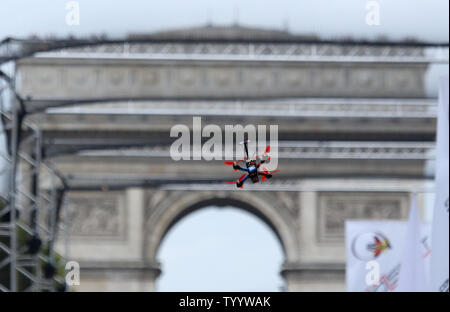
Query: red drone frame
point(253, 167)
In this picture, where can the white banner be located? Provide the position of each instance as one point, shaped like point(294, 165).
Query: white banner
point(374, 253)
point(412, 276)
point(440, 234)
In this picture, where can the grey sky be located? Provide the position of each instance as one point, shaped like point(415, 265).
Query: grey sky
point(220, 250)
point(399, 19)
point(426, 20)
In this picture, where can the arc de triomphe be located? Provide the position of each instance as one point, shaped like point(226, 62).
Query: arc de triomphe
point(355, 134)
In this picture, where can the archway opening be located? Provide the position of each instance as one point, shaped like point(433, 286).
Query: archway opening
point(220, 249)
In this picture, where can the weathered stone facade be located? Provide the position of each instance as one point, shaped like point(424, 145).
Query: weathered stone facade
point(309, 225)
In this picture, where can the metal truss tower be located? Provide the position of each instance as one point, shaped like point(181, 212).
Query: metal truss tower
point(29, 210)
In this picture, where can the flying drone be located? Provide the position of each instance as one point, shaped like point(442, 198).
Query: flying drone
point(252, 167)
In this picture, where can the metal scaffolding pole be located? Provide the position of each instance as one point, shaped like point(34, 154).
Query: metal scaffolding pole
point(36, 223)
point(11, 123)
point(12, 198)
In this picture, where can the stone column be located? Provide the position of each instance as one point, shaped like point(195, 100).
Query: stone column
point(314, 276)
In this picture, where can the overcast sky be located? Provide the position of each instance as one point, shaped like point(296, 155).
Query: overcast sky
point(220, 249)
point(425, 20)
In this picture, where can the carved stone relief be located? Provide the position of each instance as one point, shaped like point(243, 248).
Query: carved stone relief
point(97, 215)
point(92, 81)
point(336, 207)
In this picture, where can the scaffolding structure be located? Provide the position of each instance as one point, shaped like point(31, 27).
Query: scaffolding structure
point(28, 218)
point(280, 50)
point(30, 208)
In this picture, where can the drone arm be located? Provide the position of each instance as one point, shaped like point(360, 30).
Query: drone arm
point(243, 169)
point(246, 177)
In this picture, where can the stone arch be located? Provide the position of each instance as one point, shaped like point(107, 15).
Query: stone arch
point(166, 208)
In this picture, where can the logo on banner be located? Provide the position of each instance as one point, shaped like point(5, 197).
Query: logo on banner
point(370, 245)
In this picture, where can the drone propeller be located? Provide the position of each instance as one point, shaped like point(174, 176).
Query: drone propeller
point(238, 180)
point(266, 151)
point(265, 170)
point(232, 163)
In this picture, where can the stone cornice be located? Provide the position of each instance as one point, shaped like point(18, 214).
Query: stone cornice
point(307, 150)
point(262, 51)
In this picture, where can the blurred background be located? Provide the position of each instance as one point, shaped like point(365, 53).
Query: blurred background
point(352, 87)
